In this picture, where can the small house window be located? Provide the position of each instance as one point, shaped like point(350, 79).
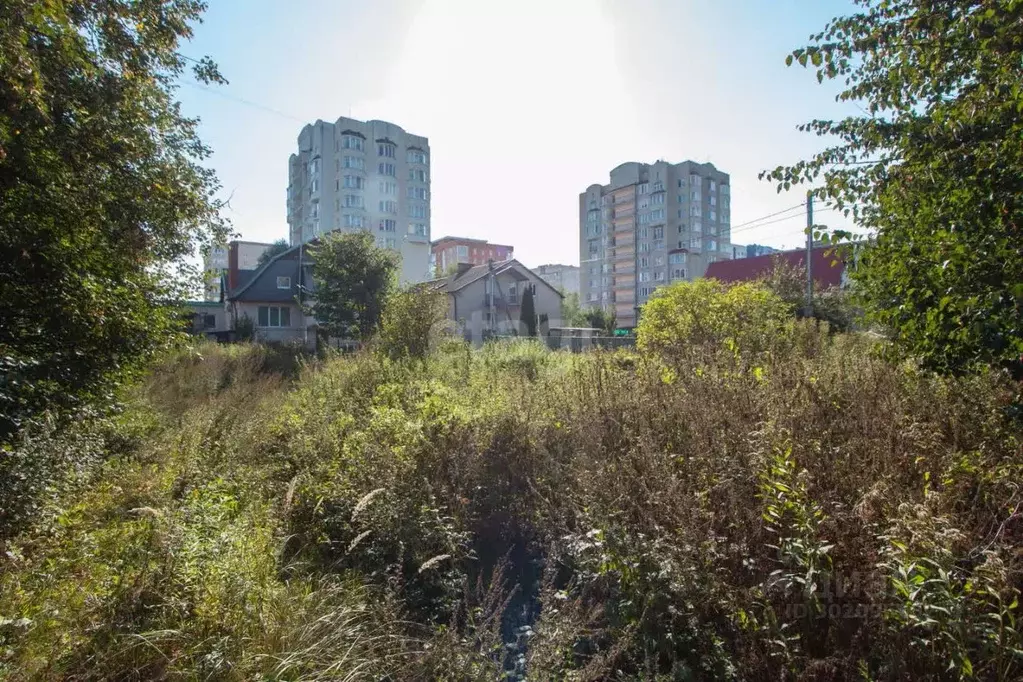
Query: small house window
point(274, 316)
point(209, 321)
point(283, 282)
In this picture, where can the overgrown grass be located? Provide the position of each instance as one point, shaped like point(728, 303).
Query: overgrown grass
point(813, 512)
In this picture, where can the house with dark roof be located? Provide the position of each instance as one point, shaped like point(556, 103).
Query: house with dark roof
point(826, 266)
point(487, 299)
point(272, 297)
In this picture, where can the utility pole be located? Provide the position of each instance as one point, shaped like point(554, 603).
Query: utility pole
point(809, 254)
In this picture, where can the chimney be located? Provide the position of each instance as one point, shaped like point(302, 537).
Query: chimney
point(462, 269)
point(232, 266)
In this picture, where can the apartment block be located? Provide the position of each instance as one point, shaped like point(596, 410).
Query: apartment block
point(446, 252)
point(363, 175)
point(564, 278)
point(650, 225)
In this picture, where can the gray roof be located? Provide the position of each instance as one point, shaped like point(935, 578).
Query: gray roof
point(261, 285)
point(456, 282)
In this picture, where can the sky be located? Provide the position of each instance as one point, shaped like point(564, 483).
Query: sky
point(525, 103)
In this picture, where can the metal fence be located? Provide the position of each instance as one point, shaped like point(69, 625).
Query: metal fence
point(580, 344)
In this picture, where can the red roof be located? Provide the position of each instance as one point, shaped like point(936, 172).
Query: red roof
point(827, 266)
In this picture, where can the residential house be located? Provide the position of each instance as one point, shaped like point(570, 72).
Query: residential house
point(207, 318)
point(272, 296)
point(487, 299)
point(827, 268)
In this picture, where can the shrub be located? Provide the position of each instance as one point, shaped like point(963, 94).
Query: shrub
point(706, 315)
point(413, 323)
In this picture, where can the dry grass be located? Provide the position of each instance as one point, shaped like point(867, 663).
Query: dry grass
point(807, 513)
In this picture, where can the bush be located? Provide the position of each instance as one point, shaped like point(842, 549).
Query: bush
point(413, 323)
point(708, 316)
point(514, 510)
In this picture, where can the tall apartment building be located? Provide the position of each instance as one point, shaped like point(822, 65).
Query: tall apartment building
point(363, 175)
point(652, 224)
point(565, 278)
point(447, 251)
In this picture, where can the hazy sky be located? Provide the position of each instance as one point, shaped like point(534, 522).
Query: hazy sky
point(525, 102)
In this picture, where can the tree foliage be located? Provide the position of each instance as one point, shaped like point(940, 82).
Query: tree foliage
point(527, 313)
point(274, 250)
point(572, 314)
point(934, 167)
point(413, 320)
point(708, 315)
point(353, 279)
point(831, 304)
point(604, 320)
point(102, 195)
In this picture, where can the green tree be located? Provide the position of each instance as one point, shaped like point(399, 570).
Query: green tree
point(832, 305)
point(102, 196)
point(707, 315)
point(598, 318)
point(353, 279)
point(572, 314)
point(274, 250)
point(934, 167)
point(412, 322)
point(528, 311)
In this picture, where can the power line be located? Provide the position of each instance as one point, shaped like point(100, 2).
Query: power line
point(246, 102)
point(771, 222)
point(771, 215)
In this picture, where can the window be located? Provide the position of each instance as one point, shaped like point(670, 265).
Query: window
point(644, 188)
point(713, 200)
point(657, 199)
point(712, 245)
point(283, 282)
point(417, 228)
point(676, 258)
point(681, 183)
point(697, 227)
point(353, 220)
point(354, 182)
point(659, 232)
point(388, 187)
point(644, 203)
point(314, 167)
point(592, 296)
point(354, 201)
point(659, 276)
point(389, 206)
point(695, 180)
point(315, 186)
point(316, 209)
point(388, 225)
point(694, 210)
point(658, 261)
point(462, 251)
point(209, 321)
point(645, 291)
point(274, 316)
point(417, 193)
point(351, 142)
point(416, 156)
point(644, 277)
point(385, 149)
point(644, 232)
point(644, 247)
point(417, 211)
point(658, 245)
point(713, 186)
point(354, 162)
point(417, 174)
point(644, 262)
point(678, 273)
point(658, 186)
point(390, 243)
point(713, 215)
point(386, 169)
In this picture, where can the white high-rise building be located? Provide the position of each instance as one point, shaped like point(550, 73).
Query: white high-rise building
point(363, 175)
